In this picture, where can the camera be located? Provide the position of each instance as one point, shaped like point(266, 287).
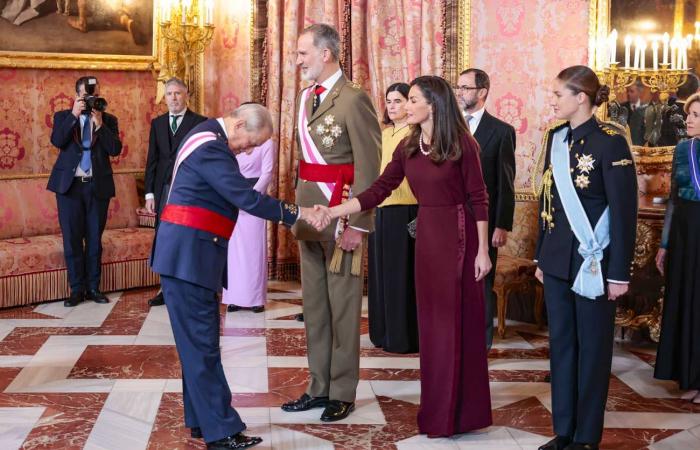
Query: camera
point(91, 101)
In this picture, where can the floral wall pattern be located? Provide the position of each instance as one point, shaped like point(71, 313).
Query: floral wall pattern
point(523, 44)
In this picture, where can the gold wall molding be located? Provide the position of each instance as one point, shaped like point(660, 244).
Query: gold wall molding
point(31, 176)
point(457, 31)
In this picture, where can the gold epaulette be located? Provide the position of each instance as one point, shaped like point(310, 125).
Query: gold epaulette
point(355, 86)
point(613, 129)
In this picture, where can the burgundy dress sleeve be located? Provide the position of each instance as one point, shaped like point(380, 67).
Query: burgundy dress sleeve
point(473, 179)
point(389, 180)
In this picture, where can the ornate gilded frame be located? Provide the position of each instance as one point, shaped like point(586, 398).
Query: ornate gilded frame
point(38, 60)
point(648, 159)
point(457, 25)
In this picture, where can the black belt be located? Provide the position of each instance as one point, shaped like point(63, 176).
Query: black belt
point(84, 179)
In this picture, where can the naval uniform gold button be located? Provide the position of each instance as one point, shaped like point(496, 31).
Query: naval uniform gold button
point(216, 239)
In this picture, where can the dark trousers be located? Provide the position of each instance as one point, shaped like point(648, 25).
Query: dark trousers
point(490, 296)
point(194, 316)
point(581, 333)
point(82, 218)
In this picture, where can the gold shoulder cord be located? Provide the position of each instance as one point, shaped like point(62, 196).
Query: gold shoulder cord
point(544, 188)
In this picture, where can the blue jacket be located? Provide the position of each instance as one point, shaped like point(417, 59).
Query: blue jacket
point(209, 178)
point(66, 137)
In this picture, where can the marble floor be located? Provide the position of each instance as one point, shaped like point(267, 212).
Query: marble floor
point(107, 377)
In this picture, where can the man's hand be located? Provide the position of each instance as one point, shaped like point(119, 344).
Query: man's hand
point(317, 218)
point(350, 239)
point(500, 237)
point(97, 118)
point(615, 290)
point(78, 106)
point(151, 206)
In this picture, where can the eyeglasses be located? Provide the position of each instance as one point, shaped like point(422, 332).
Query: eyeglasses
point(466, 88)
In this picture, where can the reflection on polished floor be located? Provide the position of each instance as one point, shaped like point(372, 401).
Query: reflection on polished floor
point(107, 376)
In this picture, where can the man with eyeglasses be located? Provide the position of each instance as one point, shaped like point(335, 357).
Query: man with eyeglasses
point(497, 142)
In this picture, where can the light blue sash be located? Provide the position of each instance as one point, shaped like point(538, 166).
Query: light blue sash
point(589, 280)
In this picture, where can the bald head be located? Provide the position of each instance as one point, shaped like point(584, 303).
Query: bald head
point(248, 126)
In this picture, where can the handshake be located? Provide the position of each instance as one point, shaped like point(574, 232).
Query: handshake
point(318, 217)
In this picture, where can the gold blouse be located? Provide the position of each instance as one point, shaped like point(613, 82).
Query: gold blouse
point(402, 195)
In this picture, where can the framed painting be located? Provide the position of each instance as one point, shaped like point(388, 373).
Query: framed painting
point(79, 34)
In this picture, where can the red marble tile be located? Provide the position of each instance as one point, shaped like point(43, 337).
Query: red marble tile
point(169, 432)
point(127, 362)
point(532, 376)
point(528, 415)
point(66, 422)
point(633, 439)
point(23, 312)
point(646, 357)
point(286, 342)
point(7, 374)
point(623, 398)
point(390, 374)
point(535, 340)
point(516, 353)
point(284, 384)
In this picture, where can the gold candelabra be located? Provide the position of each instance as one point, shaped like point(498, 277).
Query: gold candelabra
point(186, 28)
point(616, 78)
point(664, 80)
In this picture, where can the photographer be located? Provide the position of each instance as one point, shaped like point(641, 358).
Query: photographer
point(82, 180)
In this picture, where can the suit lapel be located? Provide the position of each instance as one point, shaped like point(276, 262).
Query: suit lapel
point(309, 103)
point(484, 131)
point(185, 125)
point(328, 102)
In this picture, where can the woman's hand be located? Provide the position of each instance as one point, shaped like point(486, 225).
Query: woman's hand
point(482, 265)
point(616, 290)
point(539, 275)
point(660, 260)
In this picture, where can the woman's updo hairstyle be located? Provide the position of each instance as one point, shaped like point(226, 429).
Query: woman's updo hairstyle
point(582, 79)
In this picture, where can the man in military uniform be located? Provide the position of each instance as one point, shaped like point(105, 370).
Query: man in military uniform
point(190, 256)
point(587, 235)
point(339, 144)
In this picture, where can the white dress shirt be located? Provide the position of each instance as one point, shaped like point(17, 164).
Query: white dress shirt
point(474, 119)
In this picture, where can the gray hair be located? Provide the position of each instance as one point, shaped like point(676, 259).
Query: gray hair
point(325, 37)
point(256, 116)
point(177, 81)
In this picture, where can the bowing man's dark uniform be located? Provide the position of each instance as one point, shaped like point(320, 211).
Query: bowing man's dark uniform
point(190, 253)
point(83, 201)
point(581, 329)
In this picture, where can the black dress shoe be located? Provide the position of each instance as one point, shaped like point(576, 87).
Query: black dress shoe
point(337, 410)
point(237, 441)
point(304, 403)
point(96, 296)
point(257, 309)
point(158, 300)
point(299, 317)
point(74, 299)
point(196, 433)
point(558, 443)
point(233, 308)
point(581, 446)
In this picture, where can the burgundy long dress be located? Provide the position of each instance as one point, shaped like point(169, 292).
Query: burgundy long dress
point(455, 395)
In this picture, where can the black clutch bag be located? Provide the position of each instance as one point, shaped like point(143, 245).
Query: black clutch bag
point(411, 227)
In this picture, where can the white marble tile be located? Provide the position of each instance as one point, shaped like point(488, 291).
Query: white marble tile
point(527, 439)
point(283, 295)
point(125, 421)
point(616, 419)
point(245, 380)
point(407, 391)
point(16, 424)
point(287, 361)
point(236, 347)
point(639, 376)
point(367, 411)
point(389, 362)
point(512, 341)
point(422, 442)
point(15, 360)
point(254, 415)
point(90, 314)
point(70, 386)
point(55, 309)
point(5, 329)
point(684, 440)
point(695, 431)
point(156, 325)
point(518, 364)
point(140, 385)
point(173, 385)
point(494, 437)
point(284, 439)
point(275, 310)
point(244, 319)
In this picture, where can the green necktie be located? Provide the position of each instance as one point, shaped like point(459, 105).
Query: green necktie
point(173, 126)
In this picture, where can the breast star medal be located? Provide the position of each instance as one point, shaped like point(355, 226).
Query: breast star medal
point(582, 181)
point(585, 163)
point(329, 131)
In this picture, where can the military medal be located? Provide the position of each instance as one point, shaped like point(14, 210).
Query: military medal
point(582, 181)
point(329, 131)
point(585, 163)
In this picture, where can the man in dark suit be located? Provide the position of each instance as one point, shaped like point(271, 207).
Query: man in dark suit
point(497, 141)
point(167, 132)
point(190, 254)
point(635, 112)
point(83, 183)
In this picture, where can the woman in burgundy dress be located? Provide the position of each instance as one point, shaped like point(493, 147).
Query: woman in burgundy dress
point(440, 160)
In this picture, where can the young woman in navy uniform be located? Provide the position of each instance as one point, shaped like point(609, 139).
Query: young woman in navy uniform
point(584, 253)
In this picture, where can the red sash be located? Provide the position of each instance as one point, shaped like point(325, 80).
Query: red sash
point(340, 174)
point(199, 219)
